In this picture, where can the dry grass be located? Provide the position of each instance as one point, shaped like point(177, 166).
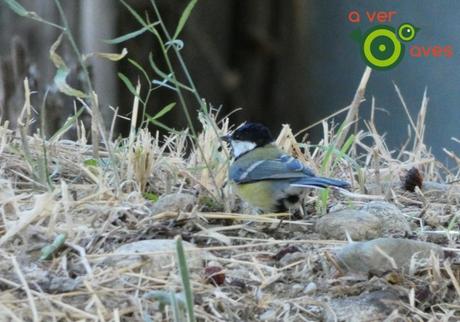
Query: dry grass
point(99, 210)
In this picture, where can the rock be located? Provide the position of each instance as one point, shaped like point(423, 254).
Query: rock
point(163, 257)
point(174, 202)
point(373, 306)
point(310, 288)
point(375, 219)
point(384, 254)
point(360, 225)
point(46, 280)
point(391, 217)
point(292, 257)
point(269, 315)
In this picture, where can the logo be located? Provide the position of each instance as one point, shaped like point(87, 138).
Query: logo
point(382, 47)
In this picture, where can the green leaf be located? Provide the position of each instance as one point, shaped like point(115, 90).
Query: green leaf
point(128, 83)
point(134, 13)
point(17, 8)
point(185, 278)
point(327, 159)
point(153, 197)
point(130, 35)
point(347, 145)
point(344, 150)
point(67, 125)
point(168, 78)
point(155, 67)
point(135, 64)
point(110, 56)
point(163, 111)
point(184, 17)
point(50, 249)
point(55, 58)
point(90, 163)
point(178, 315)
point(60, 79)
point(159, 124)
point(61, 83)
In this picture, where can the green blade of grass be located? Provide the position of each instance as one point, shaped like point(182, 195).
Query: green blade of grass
point(129, 85)
point(344, 150)
point(141, 69)
point(161, 125)
point(130, 35)
point(166, 77)
point(135, 14)
point(67, 125)
point(163, 111)
point(184, 17)
point(185, 277)
point(50, 249)
point(17, 8)
point(177, 316)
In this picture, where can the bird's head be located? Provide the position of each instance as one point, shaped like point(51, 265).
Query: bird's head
point(247, 137)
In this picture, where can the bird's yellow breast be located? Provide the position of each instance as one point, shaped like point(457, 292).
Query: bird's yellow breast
point(259, 194)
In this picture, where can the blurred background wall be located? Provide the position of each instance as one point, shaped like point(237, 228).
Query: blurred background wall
point(289, 61)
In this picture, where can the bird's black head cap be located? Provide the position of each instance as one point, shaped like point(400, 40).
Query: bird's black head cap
point(253, 132)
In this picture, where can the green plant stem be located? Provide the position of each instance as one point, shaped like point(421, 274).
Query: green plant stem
point(189, 78)
point(94, 103)
point(68, 32)
point(46, 22)
point(179, 92)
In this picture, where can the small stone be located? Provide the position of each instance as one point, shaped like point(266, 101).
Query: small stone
point(310, 288)
point(392, 218)
point(297, 287)
point(376, 219)
point(161, 258)
point(174, 202)
point(366, 307)
point(284, 251)
point(384, 254)
point(360, 225)
point(268, 315)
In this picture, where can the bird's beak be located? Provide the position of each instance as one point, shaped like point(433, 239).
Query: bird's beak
point(226, 138)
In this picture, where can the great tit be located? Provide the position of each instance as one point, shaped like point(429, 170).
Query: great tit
point(266, 177)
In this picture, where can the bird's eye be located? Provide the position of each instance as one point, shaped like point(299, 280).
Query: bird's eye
point(406, 32)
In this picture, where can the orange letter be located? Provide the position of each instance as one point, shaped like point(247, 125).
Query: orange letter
point(415, 51)
point(382, 16)
point(448, 51)
point(371, 16)
point(353, 16)
point(436, 51)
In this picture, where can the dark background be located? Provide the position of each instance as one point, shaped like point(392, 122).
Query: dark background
point(289, 61)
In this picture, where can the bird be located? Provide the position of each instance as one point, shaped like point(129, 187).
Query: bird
point(266, 177)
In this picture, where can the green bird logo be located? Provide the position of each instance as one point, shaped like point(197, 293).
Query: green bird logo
point(381, 46)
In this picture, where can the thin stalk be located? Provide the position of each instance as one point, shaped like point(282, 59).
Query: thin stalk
point(189, 77)
point(46, 22)
point(96, 114)
point(68, 32)
point(179, 92)
point(185, 277)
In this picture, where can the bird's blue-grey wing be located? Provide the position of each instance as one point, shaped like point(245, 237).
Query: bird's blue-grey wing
point(284, 167)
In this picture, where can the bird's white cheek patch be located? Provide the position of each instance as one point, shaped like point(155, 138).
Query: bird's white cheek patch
point(241, 147)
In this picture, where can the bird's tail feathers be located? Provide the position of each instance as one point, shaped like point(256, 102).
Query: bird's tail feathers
point(321, 182)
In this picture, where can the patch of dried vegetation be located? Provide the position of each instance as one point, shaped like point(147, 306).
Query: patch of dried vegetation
point(276, 267)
